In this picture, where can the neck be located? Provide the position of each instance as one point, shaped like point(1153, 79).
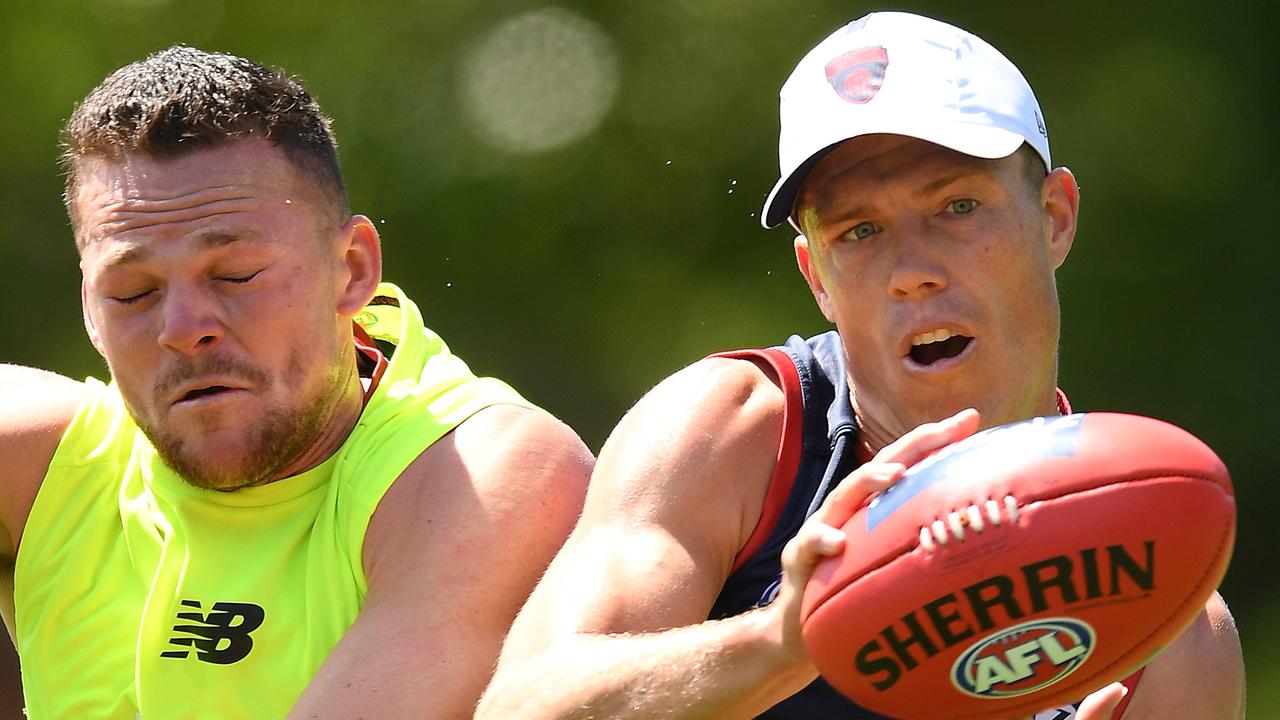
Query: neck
point(875, 433)
point(332, 426)
point(871, 438)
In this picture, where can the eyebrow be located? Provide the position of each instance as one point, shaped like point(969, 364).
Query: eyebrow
point(940, 183)
point(861, 209)
point(208, 240)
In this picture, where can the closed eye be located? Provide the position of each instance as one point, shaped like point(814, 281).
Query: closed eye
point(131, 299)
point(239, 279)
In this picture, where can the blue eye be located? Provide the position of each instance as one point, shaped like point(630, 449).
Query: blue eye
point(963, 206)
point(863, 230)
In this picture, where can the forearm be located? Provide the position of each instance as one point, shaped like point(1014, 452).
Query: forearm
point(733, 668)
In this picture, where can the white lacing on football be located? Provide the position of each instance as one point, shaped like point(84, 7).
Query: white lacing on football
point(942, 530)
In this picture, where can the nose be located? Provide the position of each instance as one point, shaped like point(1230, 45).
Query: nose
point(190, 323)
point(919, 267)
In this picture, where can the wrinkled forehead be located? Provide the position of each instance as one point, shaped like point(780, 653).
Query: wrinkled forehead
point(864, 167)
point(131, 191)
point(141, 176)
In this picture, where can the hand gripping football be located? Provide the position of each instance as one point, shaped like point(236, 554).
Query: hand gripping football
point(1023, 567)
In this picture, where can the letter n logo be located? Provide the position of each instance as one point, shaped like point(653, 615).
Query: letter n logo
point(858, 74)
point(221, 637)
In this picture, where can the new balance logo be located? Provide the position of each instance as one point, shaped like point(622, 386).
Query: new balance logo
point(220, 637)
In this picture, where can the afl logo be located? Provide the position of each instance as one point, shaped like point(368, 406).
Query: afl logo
point(1023, 658)
point(858, 74)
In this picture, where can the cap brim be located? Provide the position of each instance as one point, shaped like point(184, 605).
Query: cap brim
point(781, 201)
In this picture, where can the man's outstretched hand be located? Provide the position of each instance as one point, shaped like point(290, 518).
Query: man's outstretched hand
point(821, 536)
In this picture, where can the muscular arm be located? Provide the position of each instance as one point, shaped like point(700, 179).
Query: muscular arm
point(1201, 675)
point(451, 553)
point(35, 409)
point(618, 628)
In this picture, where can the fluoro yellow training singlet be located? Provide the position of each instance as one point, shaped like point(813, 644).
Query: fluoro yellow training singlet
point(139, 595)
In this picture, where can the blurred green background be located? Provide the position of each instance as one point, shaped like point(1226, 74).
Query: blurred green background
point(570, 191)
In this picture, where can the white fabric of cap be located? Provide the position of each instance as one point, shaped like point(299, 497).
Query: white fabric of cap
point(937, 83)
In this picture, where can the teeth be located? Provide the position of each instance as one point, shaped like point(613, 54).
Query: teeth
point(932, 336)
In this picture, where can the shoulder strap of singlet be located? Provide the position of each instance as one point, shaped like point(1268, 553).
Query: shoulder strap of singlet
point(787, 461)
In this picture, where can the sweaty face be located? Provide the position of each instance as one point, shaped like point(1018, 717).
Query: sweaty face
point(937, 269)
point(209, 287)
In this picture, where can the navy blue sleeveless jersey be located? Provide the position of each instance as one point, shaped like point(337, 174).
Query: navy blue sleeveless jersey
point(817, 451)
point(819, 425)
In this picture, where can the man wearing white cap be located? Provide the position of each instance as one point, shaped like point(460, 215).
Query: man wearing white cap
point(915, 163)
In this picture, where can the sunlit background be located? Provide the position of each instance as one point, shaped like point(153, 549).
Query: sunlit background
point(570, 192)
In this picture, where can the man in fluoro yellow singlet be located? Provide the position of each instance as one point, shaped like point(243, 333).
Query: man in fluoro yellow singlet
point(290, 499)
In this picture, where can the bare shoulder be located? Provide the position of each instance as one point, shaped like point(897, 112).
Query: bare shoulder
point(507, 468)
point(38, 393)
point(1200, 675)
point(451, 553)
point(35, 408)
point(701, 444)
point(732, 394)
point(512, 441)
point(676, 492)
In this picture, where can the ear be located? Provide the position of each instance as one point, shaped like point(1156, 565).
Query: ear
point(1060, 200)
point(89, 325)
point(360, 264)
point(809, 268)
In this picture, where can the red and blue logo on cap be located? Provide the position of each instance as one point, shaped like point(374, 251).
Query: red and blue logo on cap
point(858, 74)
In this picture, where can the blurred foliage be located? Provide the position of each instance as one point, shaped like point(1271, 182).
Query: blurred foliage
point(586, 265)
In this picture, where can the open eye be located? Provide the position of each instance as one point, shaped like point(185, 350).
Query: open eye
point(963, 206)
point(862, 230)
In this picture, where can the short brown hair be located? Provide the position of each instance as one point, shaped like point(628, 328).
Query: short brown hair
point(182, 99)
point(1033, 168)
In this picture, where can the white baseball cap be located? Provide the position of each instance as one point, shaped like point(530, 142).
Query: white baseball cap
point(901, 74)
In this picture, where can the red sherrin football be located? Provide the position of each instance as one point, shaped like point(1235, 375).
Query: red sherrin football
point(1022, 568)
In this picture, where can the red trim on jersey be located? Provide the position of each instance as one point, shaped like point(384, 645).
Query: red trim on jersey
point(788, 457)
point(1064, 405)
point(1130, 682)
point(787, 463)
point(367, 347)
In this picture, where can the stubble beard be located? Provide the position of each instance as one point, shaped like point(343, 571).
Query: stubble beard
point(274, 442)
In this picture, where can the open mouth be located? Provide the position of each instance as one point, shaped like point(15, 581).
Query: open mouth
point(203, 392)
point(930, 347)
